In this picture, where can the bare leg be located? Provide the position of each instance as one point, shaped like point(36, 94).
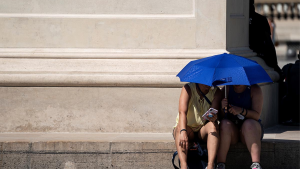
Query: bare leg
point(210, 134)
point(251, 136)
point(182, 155)
point(228, 135)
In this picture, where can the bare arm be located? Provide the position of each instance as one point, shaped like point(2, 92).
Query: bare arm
point(216, 103)
point(217, 99)
point(257, 103)
point(183, 108)
point(224, 102)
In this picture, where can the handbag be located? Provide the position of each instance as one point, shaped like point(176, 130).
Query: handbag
point(197, 157)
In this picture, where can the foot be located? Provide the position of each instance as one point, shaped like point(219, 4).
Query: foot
point(255, 166)
point(221, 166)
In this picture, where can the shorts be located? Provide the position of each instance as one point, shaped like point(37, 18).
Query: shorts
point(239, 124)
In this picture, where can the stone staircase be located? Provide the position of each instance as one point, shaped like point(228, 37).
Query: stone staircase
point(280, 149)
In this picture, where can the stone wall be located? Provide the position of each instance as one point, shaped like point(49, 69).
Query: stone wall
point(108, 66)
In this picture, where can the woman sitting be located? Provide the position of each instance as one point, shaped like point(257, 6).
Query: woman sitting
point(241, 112)
point(189, 122)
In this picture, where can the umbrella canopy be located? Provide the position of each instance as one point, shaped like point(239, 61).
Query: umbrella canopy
point(224, 69)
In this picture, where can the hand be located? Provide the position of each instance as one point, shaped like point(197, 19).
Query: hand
point(235, 110)
point(213, 118)
point(224, 104)
point(184, 141)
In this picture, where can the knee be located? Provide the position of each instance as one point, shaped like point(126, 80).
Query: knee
point(212, 127)
point(226, 126)
point(250, 125)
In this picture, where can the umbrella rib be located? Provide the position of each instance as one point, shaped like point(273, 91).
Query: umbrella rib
point(215, 70)
point(246, 75)
point(219, 63)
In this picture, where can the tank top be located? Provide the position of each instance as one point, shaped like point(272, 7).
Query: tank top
point(197, 107)
point(239, 99)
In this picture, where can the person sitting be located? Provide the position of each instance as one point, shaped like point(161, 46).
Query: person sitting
point(240, 121)
point(289, 114)
point(260, 40)
point(189, 122)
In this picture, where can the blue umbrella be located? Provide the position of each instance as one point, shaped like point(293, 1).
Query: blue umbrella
point(224, 69)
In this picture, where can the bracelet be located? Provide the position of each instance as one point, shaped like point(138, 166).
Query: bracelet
point(246, 113)
point(242, 111)
point(182, 130)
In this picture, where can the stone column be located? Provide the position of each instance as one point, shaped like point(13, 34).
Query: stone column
point(107, 65)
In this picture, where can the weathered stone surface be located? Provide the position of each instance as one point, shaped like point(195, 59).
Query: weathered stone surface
point(58, 147)
point(143, 147)
point(15, 160)
point(287, 154)
point(101, 109)
point(122, 63)
point(84, 109)
point(16, 146)
point(147, 160)
point(135, 155)
point(97, 7)
point(66, 160)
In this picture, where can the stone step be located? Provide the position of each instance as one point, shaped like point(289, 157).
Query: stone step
point(102, 109)
point(280, 149)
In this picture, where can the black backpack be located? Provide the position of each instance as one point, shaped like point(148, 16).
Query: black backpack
point(197, 157)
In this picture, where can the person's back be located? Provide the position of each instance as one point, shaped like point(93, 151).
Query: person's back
point(259, 30)
point(293, 79)
point(290, 106)
point(260, 39)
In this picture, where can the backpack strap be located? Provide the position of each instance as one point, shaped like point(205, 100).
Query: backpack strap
point(208, 101)
point(173, 158)
point(202, 153)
